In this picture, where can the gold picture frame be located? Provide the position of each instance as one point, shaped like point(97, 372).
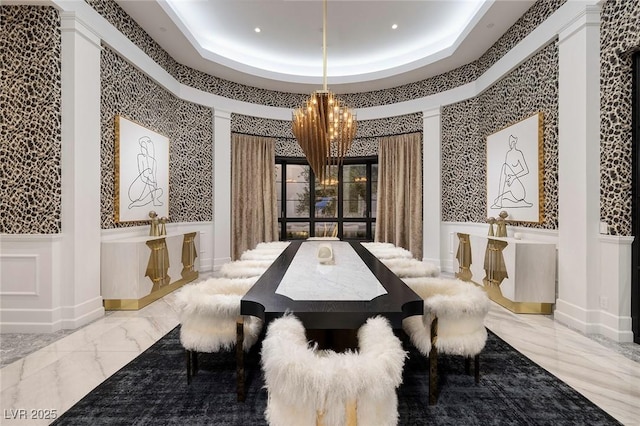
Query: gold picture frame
point(515, 170)
point(141, 172)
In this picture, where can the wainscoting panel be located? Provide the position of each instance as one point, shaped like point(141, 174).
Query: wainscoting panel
point(29, 277)
point(19, 275)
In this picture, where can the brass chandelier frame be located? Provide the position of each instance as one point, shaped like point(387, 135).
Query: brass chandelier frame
point(324, 126)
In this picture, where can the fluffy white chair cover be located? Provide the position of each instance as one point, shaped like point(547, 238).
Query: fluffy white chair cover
point(408, 268)
point(208, 319)
point(386, 252)
point(273, 245)
point(245, 268)
point(265, 251)
point(224, 285)
point(460, 308)
point(376, 245)
point(303, 381)
point(270, 255)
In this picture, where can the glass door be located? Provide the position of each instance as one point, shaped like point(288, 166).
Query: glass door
point(342, 206)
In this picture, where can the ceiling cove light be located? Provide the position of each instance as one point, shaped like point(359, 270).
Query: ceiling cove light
point(211, 27)
point(324, 127)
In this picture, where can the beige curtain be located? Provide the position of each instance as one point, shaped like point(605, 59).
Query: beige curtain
point(254, 217)
point(399, 211)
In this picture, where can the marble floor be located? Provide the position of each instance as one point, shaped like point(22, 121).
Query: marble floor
point(44, 383)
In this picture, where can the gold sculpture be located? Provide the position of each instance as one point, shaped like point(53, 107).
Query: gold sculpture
point(155, 229)
point(491, 221)
point(163, 226)
point(501, 230)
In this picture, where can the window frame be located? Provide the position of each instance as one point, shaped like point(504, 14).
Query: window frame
point(369, 219)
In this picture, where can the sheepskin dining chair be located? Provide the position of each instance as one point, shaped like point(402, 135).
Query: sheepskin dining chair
point(400, 261)
point(387, 251)
point(373, 245)
point(260, 255)
point(452, 323)
point(224, 285)
point(309, 387)
point(411, 268)
point(245, 268)
point(265, 251)
point(210, 322)
point(273, 245)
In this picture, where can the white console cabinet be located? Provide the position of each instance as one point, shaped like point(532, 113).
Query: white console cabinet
point(136, 271)
point(518, 274)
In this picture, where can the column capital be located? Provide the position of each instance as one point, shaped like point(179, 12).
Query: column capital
point(221, 114)
point(434, 112)
point(70, 22)
point(589, 16)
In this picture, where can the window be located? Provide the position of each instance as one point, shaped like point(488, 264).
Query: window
point(343, 206)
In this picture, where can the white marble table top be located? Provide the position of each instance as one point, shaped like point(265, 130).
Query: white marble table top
point(348, 278)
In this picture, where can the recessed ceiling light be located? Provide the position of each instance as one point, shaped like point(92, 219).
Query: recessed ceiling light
point(394, 26)
point(256, 29)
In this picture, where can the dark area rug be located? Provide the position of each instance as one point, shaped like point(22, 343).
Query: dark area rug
point(153, 390)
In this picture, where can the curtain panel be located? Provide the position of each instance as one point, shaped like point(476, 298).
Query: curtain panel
point(253, 192)
point(399, 211)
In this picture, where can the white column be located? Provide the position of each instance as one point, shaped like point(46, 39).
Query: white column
point(80, 299)
point(221, 188)
point(431, 186)
point(614, 292)
point(579, 170)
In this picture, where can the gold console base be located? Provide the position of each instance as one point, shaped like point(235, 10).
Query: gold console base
point(135, 304)
point(495, 294)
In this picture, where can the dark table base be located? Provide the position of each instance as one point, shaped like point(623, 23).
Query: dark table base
point(336, 340)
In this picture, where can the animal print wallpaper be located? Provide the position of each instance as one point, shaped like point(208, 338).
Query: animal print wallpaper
point(619, 35)
point(460, 202)
point(129, 92)
point(462, 168)
point(530, 88)
point(30, 123)
point(364, 144)
point(540, 11)
point(31, 185)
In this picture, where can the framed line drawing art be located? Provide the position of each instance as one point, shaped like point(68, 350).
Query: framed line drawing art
point(515, 171)
point(141, 172)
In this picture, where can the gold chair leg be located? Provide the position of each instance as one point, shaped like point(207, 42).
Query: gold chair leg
point(351, 409)
point(240, 359)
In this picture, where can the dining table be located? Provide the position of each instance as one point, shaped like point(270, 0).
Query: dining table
point(332, 299)
point(337, 295)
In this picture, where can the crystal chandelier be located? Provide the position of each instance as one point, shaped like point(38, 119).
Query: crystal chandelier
point(324, 127)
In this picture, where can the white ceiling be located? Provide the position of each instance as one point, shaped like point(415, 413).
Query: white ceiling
point(363, 51)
